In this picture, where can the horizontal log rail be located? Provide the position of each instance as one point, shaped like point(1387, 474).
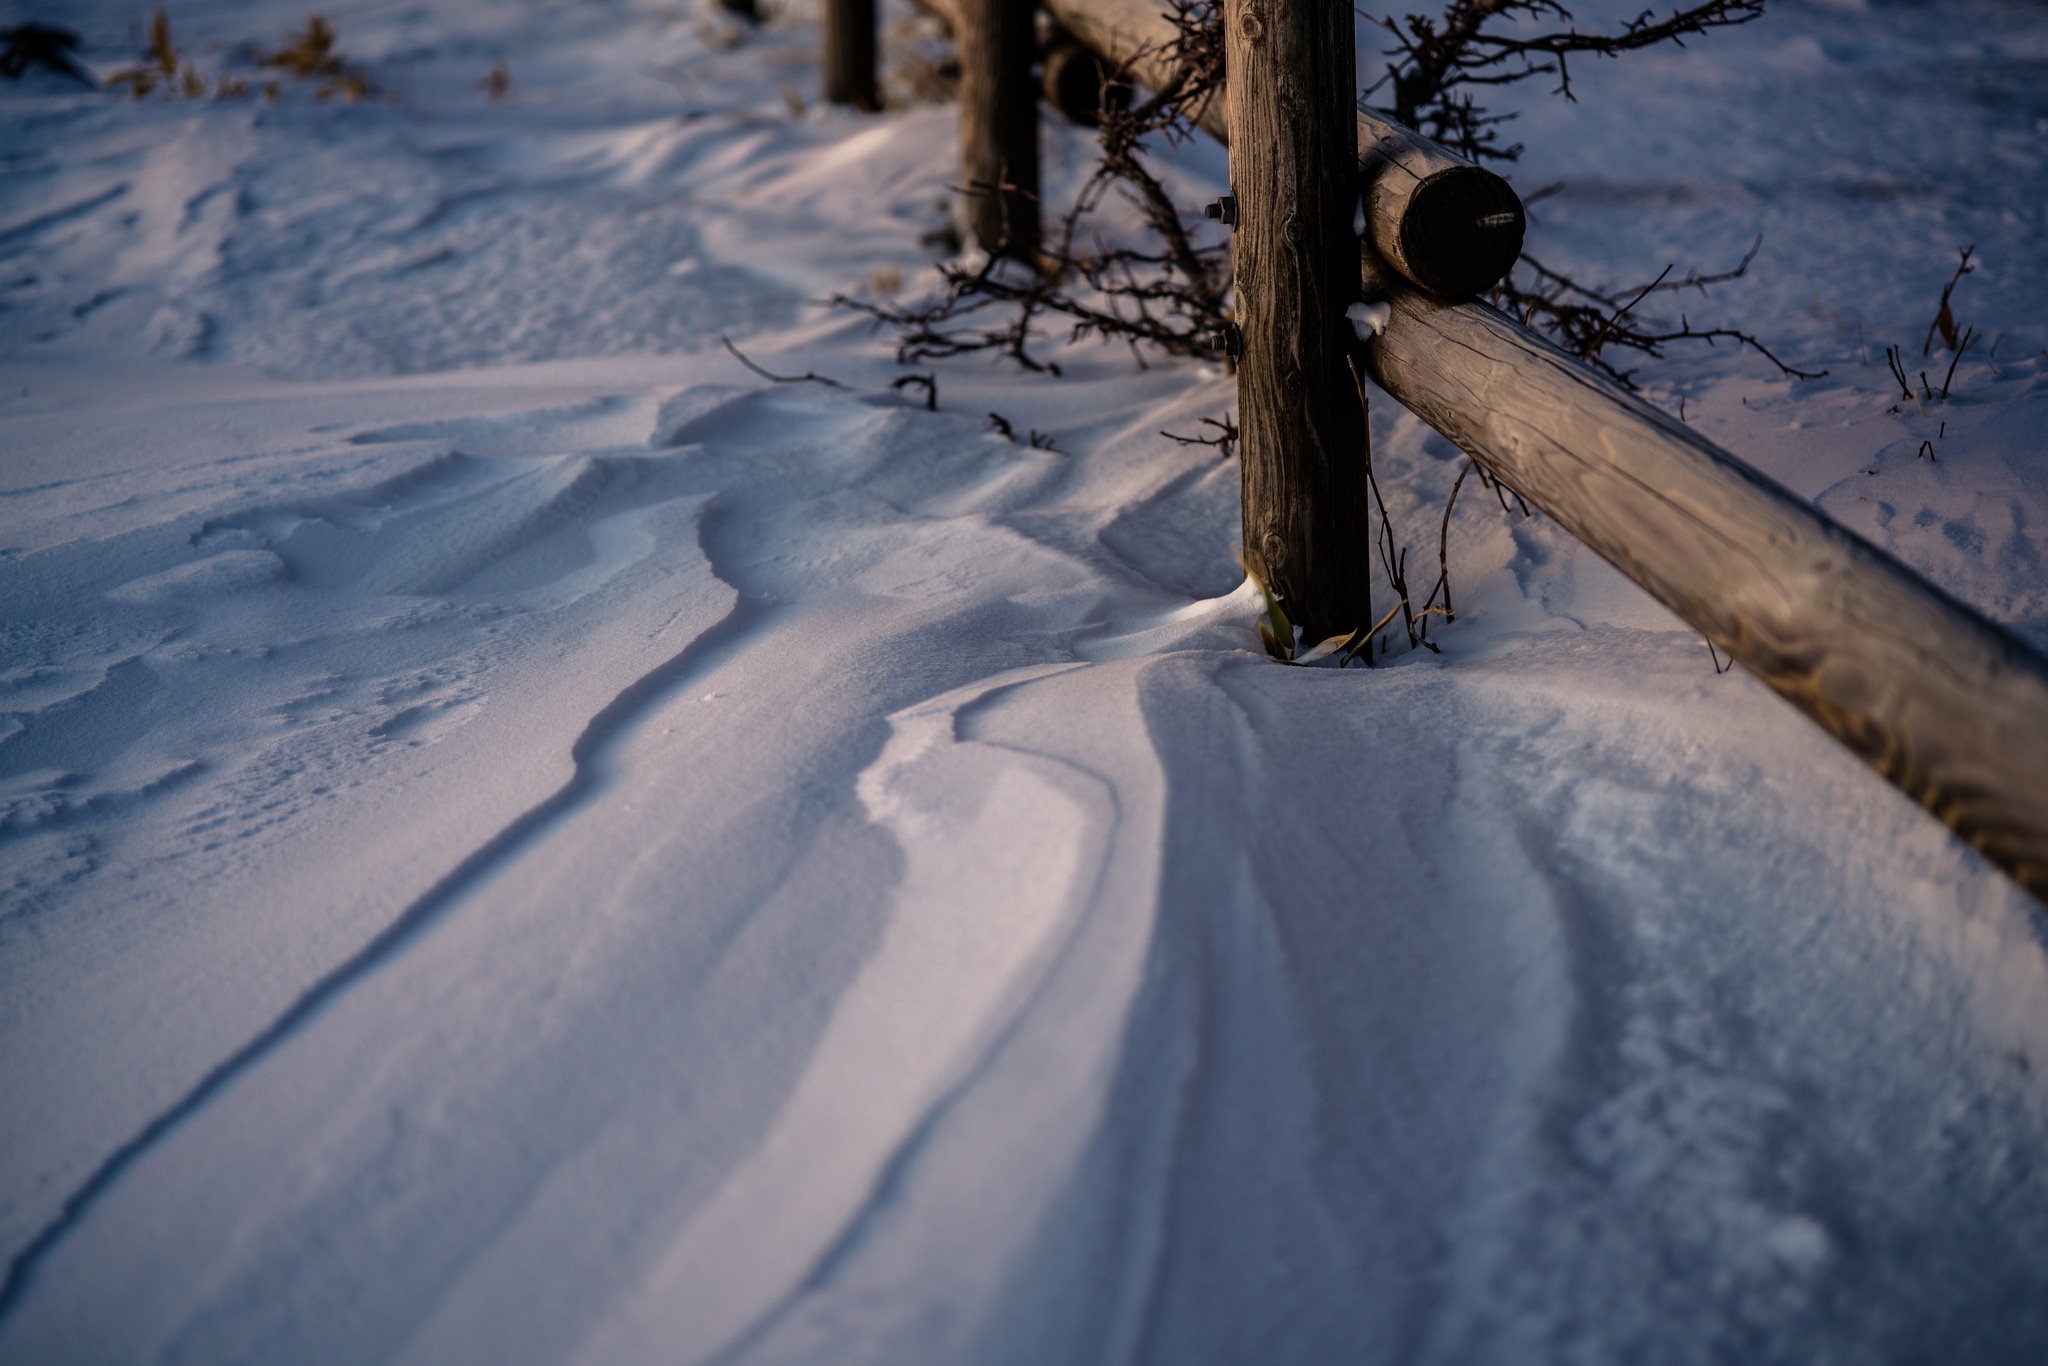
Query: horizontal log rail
point(1946, 704)
point(1949, 706)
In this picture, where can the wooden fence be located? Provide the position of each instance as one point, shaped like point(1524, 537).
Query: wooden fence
point(1946, 704)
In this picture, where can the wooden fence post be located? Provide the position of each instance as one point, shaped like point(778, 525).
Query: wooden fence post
point(849, 53)
point(1294, 174)
point(998, 126)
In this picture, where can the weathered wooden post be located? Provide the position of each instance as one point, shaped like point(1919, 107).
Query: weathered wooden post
point(1294, 176)
point(849, 53)
point(998, 126)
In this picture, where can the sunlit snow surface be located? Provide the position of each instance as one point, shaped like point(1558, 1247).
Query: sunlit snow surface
point(521, 841)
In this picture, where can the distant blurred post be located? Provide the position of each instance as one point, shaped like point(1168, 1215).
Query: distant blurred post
point(997, 41)
point(849, 55)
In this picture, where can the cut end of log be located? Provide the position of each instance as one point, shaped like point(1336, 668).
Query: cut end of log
point(1462, 232)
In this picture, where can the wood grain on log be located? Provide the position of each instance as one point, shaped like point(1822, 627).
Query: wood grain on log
point(848, 56)
point(998, 125)
point(1292, 168)
point(1947, 705)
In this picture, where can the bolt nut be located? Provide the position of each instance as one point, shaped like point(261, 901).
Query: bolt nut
point(1225, 209)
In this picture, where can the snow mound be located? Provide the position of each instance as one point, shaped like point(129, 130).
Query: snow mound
point(521, 839)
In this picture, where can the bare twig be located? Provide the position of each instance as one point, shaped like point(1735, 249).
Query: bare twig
point(1434, 62)
point(1898, 369)
point(1588, 322)
point(1037, 440)
point(1969, 335)
point(1394, 556)
point(1225, 439)
point(1443, 549)
point(929, 383)
point(1613, 320)
point(1501, 492)
point(807, 377)
point(1945, 321)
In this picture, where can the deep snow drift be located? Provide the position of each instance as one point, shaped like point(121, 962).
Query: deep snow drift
point(520, 841)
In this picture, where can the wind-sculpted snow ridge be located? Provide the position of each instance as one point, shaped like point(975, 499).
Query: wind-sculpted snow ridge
point(368, 684)
point(967, 952)
point(557, 849)
point(585, 754)
point(513, 888)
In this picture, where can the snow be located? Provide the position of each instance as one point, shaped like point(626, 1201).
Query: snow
point(521, 840)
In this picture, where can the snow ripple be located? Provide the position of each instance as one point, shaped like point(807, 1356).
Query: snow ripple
point(587, 755)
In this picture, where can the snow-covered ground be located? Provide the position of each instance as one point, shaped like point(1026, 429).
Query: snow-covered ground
point(521, 841)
